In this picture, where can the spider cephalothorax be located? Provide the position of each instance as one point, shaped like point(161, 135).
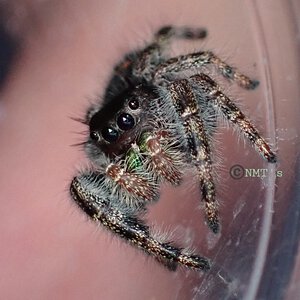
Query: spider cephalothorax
point(154, 124)
point(115, 127)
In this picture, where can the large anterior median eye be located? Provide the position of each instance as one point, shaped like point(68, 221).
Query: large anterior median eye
point(109, 134)
point(125, 121)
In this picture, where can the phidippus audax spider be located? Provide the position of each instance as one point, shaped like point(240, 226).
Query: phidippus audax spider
point(154, 124)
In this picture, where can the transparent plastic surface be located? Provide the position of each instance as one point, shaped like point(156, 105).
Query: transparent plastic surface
point(264, 254)
point(68, 51)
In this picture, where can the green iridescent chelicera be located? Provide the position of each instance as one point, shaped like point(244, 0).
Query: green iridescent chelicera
point(133, 156)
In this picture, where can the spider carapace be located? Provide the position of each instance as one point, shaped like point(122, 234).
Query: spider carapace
point(155, 123)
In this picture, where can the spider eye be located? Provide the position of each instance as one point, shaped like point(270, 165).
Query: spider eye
point(94, 136)
point(133, 104)
point(109, 134)
point(125, 121)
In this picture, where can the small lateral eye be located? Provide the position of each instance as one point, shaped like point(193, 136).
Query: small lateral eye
point(125, 121)
point(94, 136)
point(133, 104)
point(110, 134)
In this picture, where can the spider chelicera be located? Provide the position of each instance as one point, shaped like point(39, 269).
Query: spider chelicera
point(154, 124)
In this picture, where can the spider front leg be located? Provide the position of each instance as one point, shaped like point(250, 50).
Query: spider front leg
point(187, 107)
point(198, 60)
point(231, 112)
point(99, 204)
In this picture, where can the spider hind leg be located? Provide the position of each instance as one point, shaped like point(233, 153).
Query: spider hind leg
point(152, 55)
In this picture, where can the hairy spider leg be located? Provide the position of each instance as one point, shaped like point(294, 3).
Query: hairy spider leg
point(152, 55)
point(130, 228)
point(222, 103)
point(198, 60)
point(165, 33)
point(187, 107)
point(140, 64)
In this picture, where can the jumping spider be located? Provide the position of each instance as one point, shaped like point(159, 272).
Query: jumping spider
point(155, 123)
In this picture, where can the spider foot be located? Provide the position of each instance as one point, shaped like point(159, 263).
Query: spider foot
point(182, 257)
point(253, 84)
point(195, 262)
point(214, 225)
point(212, 216)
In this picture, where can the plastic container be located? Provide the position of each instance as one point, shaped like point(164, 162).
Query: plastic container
point(68, 51)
